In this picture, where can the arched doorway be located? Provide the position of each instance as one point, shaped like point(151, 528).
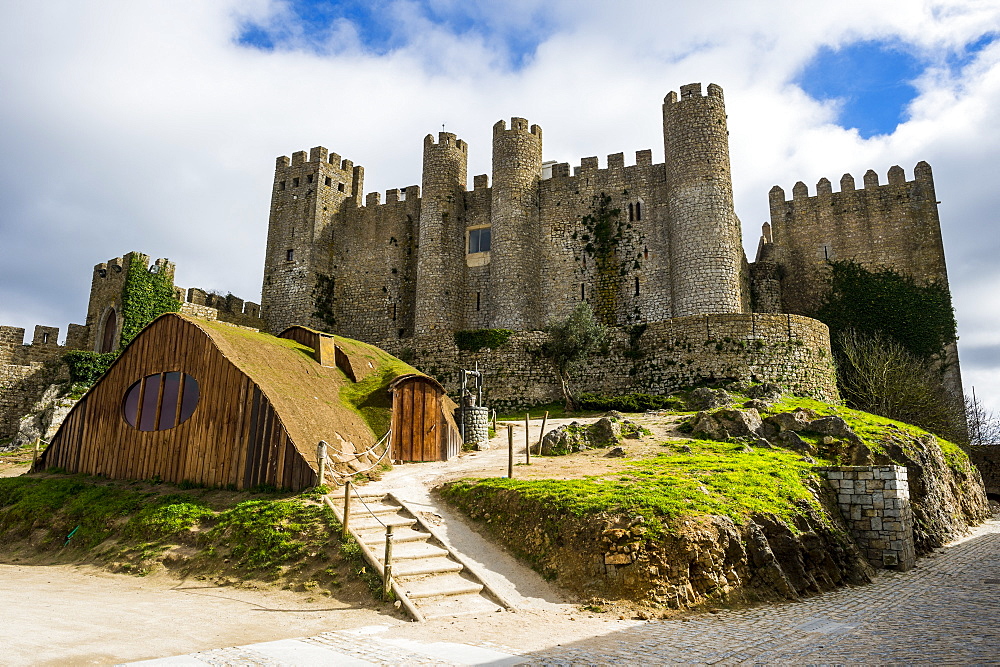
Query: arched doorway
point(107, 342)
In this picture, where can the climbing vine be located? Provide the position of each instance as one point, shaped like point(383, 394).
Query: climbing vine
point(145, 296)
point(477, 339)
point(886, 304)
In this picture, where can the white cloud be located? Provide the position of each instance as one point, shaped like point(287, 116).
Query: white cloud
point(144, 126)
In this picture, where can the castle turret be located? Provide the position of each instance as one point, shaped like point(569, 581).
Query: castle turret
point(706, 248)
point(307, 192)
point(514, 263)
point(442, 235)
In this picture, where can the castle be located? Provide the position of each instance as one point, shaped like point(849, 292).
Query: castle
point(656, 250)
point(641, 243)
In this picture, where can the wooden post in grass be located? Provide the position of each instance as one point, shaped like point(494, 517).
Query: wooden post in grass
point(34, 453)
point(541, 434)
point(510, 451)
point(347, 508)
point(321, 462)
point(527, 442)
point(494, 421)
point(387, 569)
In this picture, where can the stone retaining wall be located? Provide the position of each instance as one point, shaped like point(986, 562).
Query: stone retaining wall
point(789, 350)
point(875, 503)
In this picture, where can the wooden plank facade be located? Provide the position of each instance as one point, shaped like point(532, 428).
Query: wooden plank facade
point(422, 428)
point(234, 437)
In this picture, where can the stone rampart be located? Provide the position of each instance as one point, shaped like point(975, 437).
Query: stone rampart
point(789, 350)
point(875, 503)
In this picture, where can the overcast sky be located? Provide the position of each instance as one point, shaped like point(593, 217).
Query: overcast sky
point(153, 125)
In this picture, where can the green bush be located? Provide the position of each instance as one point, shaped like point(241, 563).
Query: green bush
point(87, 367)
point(630, 402)
point(476, 339)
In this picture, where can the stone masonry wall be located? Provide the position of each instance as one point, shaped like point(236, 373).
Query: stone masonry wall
point(893, 226)
point(875, 503)
point(791, 351)
point(25, 372)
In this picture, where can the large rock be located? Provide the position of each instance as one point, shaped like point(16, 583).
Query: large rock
point(726, 423)
point(704, 398)
point(767, 391)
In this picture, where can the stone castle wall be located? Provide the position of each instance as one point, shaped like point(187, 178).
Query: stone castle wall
point(605, 236)
point(893, 226)
point(789, 350)
point(25, 371)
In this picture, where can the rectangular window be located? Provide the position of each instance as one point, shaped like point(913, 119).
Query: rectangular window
point(289, 255)
point(281, 185)
point(631, 212)
point(340, 186)
point(328, 181)
point(479, 239)
point(583, 292)
point(309, 178)
point(478, 300)
point(638, 211)
point(295, 182)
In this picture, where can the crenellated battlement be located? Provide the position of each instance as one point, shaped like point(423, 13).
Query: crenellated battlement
point(446, 139)
point(692, 91)
point(896, 177)
point(518, 125)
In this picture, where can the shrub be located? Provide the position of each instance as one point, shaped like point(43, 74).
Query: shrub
point(477, 339)
point(86, 367)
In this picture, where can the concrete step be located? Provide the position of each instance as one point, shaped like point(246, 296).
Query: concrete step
point(368, 522)
point(419, 566)
point(416, 550)
point(457, 605)
point(372, 537)
point(438, 585)
point(378, 509)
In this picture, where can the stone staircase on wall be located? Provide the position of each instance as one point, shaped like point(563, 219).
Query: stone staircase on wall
point(430, 579)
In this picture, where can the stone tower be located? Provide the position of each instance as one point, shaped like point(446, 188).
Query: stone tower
point(440, 264)
point(515, 254)
point(706, 247)
point(307, 194)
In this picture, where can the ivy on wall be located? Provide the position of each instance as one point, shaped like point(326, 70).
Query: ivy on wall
point(886, 304)
point(477, 339)
point(87, 367)
point(145, 296)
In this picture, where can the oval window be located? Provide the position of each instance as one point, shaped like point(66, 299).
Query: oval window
point(160, 401)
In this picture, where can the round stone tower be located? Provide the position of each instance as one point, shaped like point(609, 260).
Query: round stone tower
point(441, 255)
point(514, 256)
point(706, 246)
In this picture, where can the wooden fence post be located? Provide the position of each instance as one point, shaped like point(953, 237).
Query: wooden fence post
point(387, 564)
point(541, 434)
point(527, 442)
point(34, 454)
point(347, 509)
point(510, 452)
point(321, 460)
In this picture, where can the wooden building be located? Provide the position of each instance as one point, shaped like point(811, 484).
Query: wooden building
point(220, 405)
point(423, 422)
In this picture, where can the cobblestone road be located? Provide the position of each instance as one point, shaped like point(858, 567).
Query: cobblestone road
point(946, 610)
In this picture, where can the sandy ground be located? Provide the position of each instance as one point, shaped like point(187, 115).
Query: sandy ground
point(64, 614)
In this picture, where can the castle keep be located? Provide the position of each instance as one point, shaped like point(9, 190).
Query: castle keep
point(644, 243)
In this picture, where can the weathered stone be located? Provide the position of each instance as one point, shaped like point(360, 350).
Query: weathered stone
point(792, 440)
point(616, 452)
point(767, 391)
point(704, 398)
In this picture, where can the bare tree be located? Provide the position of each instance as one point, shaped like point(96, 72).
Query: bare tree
point(984, 424)
point(880, 376)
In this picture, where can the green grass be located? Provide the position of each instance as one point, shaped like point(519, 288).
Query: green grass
point(714, 478)
point(257, 536)
point(556, 411)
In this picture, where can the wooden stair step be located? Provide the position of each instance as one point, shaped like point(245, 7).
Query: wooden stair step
point(414, 567)
point(440, 585)
point(378, 509)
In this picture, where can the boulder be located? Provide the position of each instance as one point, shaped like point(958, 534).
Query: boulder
point(739, 422)
point(792, 440)
point(834, 427)
point(704, 398)
point(705, 425)
point(767, 391)
point(797, 420)
point(605, 432)
point(616, 452)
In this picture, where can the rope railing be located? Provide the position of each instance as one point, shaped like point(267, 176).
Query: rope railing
point(323, 459)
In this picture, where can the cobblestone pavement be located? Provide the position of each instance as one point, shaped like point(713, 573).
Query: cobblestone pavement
point(946, 610)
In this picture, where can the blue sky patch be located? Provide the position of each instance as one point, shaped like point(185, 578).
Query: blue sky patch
point(872, 80)
point(308, 23)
